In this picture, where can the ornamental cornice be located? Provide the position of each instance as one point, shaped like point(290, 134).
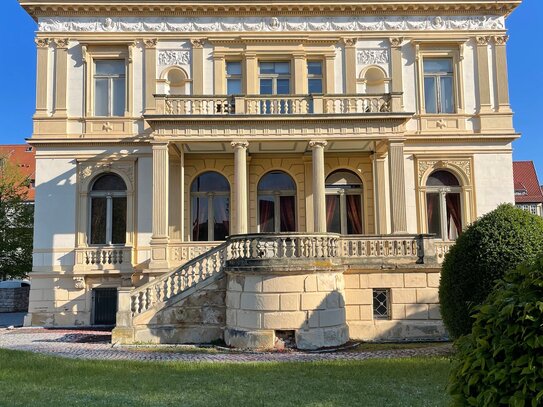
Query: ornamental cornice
point(461, 166)
point(272, 24)
point(38, 8)
point(42, 42)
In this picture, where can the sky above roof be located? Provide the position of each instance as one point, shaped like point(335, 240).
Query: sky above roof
point(525, 65)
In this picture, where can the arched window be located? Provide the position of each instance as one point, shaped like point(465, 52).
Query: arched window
point(210, 207)
point(444, 205)
point(277, 203)
point(344, 203)
point(108, 210)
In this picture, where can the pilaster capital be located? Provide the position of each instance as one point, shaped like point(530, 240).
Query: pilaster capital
point(62, 43)
point(197, 42)
point(349, 42)
point(159, 146)
point(396, 142)
point(42, 42)
point(150, 42)
point(317, 144)
point(239, 144)
point(482, 40)
point(396, 41)
point(501, 39)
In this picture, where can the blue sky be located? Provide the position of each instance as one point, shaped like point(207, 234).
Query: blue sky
point(525, 61)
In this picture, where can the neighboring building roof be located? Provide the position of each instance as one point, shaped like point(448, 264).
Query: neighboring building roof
point(24, 156)
point(527, 187)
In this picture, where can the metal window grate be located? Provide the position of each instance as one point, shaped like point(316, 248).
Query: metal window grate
point(381, 303)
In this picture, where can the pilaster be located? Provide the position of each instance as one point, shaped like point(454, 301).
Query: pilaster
point(197, 66)
point(501, 73)
point(319, 191)
point(219, 69)
point(397, 186)
point(379, 187)
point(483, 74)
point(42, 85)
point(330, 69)
point(350, 65)
point(159, 239)
point(150, 74)
point(240, 186)
point(300, 74)
point(61, 77)
point(396, 69)
point(251, 74)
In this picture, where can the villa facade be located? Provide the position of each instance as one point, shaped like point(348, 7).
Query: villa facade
point(250, 171)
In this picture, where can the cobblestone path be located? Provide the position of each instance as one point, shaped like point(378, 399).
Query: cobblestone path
point(91, 344)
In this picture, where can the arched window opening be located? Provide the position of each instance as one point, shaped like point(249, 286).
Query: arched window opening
point(108, 210)
point(444, 205)
point(277, 203)
point(344, 203)
point(210, 207)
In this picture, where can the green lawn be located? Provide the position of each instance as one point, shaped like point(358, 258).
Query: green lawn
point(33, 380)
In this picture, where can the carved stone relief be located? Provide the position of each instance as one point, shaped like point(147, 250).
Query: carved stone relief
point(429, 165)
point(372, 56)
point(173, 57)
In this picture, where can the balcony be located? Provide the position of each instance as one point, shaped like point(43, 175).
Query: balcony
point(253, 105)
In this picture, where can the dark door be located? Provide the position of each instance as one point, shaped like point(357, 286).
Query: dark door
point(104, 306)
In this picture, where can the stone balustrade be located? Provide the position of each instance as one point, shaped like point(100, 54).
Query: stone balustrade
point(161, 289)
point(174, 105)
point(442, 248)
point(103, 258)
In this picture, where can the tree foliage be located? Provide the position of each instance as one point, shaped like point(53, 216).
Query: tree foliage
point(495, 243)
point(16, 222)
point(501, 361)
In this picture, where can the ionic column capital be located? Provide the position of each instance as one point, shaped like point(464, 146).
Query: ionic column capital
point(317, 143)
point(42, 42)
point(150, 42)
point(395, 41)
point(239, 144)
point(61, 43)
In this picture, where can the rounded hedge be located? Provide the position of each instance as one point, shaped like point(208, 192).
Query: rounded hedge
point(494, 244)
point(501, 361)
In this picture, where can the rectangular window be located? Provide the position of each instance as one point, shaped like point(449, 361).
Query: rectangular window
point(438, 85)
point(274, 78)
point(381, 303)
point(314, 77)
point(233, 78)
point(109, 87)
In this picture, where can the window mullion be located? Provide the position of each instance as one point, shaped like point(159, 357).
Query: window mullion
point(277, 212)
point(443, 209)
point(343, 212)
point(210, 218)
point(109, 220)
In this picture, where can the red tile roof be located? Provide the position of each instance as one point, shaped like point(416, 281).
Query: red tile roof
point(525, 178)
point(24, 157)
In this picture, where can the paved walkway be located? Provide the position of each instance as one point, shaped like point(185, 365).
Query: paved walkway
point(90, 344)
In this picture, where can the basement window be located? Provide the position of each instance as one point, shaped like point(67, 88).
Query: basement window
point(381, 303)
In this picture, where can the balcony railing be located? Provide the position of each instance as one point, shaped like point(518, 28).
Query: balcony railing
point(103, 258)
point(176, 105)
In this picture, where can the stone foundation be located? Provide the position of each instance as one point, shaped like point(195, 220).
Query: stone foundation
point(311, 303)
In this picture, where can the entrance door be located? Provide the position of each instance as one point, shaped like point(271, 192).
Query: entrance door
point(104, 306)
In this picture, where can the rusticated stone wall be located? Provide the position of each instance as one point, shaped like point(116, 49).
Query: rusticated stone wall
point(14, 299)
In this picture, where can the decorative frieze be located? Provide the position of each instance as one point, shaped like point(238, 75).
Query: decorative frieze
point(169, 57)
point(372, 56)
point(273, 24)
point(429, 165)
point(87, 170)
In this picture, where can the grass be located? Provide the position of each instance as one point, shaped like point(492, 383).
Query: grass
point(30, 379)
point(375, 346)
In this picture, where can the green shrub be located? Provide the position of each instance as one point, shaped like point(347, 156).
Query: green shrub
point(495, 243)
point(501, 361)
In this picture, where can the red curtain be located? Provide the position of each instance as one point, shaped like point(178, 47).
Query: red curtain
point(453, 212)
point(354, 214)
point(331, 205)
point(266, 210)
point(288, 214)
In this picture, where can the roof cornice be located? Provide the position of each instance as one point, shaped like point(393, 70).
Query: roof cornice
point(38, 8)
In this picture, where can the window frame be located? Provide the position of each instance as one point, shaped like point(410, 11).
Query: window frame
point(343, 192)
point(239, 77)
point(438, 94)
point(277, 194)
point(210, 196)
point(110, 93)
point(437, 50)
point(109, 195)
point(275, 77)
point(388, 294)
point(321, 77)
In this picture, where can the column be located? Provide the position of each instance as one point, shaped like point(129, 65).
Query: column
point(42, 88)
point(197, 66)
point(350, 65)
point(396, 72)
point(61, 77)
point(159, 240)
point(397, 186)
point(319, 192)
point(150, 74)
point(502, 88)
point(379, 191)
point(240, 186)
